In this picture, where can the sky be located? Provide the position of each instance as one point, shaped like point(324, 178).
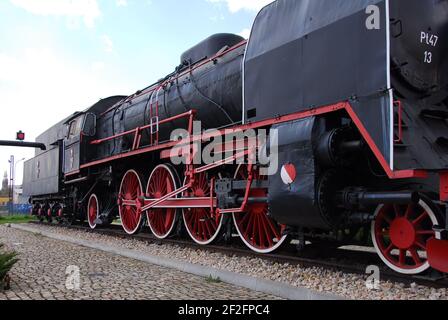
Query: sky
point(62, 56)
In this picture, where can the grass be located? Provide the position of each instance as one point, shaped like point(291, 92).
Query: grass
point(7, 261)
point(211, 279)
point(15, 219)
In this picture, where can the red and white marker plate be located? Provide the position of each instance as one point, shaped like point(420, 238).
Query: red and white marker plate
point(289, 174)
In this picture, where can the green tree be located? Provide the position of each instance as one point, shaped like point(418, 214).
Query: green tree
point(7, 261)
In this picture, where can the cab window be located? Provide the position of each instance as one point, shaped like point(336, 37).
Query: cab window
point(75, 128)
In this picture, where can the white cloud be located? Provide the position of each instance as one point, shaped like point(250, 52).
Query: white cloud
point(107, 43)
point(88, 10)
point(98, 66)
point(238, 5)
point(245, 33)
point(40, 86)
point(122, 3)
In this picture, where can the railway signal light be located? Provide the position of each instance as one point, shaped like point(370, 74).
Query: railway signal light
point(20, 136)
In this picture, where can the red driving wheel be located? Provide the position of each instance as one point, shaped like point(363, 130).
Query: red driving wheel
point(202, 224)
point(162, 181)
point(93, 209)
point(400, 234)
point(129, 205)
point(256, 228)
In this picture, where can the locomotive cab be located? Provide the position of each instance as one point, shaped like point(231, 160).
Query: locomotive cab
point(72, 143)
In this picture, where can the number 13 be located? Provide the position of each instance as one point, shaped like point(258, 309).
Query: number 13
point(428, 57)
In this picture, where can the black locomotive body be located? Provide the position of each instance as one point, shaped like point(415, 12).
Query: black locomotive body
point(354, 97)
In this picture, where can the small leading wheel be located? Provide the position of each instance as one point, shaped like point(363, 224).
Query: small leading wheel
point(93, 209)
point(129, 205)
point(162, 181)
point(256, 228)
point(48, 213)
point(39, 213)
point(400, 234)
point(202, 224)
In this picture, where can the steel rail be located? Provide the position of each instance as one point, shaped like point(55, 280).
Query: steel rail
point(339, 260)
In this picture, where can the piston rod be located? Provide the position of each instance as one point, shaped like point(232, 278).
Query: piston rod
point(351, 198)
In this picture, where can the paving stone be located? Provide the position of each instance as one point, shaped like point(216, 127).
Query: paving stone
point(46, 265)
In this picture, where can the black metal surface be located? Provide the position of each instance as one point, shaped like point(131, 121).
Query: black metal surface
point(214, 90)
point(310, 48)
point(72, 153)
point(295, 204)
point(363, 198)
point(209, 47)
point(42, 174)
point(52, 135)
point(22, 144)
point(375, 115)
point(418, 48)
point(423, 129)
point(318, 53)
point(104, 104)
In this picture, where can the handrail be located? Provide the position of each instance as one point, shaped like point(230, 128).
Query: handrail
point(138, 131)
point(182, 73)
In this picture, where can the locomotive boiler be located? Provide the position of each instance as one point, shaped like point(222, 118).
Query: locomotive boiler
point(212, 88)
point(353, 95)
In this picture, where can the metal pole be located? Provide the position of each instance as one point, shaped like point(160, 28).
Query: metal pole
point(23, 144)
point(11, 184)
point(14, 183)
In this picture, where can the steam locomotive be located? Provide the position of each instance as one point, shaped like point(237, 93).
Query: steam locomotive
point(353, 96)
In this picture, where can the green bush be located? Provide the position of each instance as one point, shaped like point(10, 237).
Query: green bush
point(7, 261)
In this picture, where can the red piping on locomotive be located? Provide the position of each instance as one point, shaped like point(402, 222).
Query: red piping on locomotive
point(156, 87)
point(404, 174)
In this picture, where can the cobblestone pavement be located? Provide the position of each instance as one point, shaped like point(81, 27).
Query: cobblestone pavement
point(42, 270)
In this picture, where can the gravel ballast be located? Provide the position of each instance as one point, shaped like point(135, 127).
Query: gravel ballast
point(350, 286)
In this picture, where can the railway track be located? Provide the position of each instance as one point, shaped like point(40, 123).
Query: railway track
point(343, 260)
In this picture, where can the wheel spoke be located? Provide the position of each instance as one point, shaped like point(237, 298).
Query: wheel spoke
point(387, 219)
point(398, 212)
point(383, 233)
point(258, 231)
point(245, 219)
point(201, 224)
point(402, 258)
point(276, 232)
point(409, 212)
point(161, 183)
point(270, 233)
point(249, 223)
point(426, 233)
point(415, 256)
point(406, 234)
point(420, 218)
point(420, 245)
point(130, 191)
point(390, 248)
